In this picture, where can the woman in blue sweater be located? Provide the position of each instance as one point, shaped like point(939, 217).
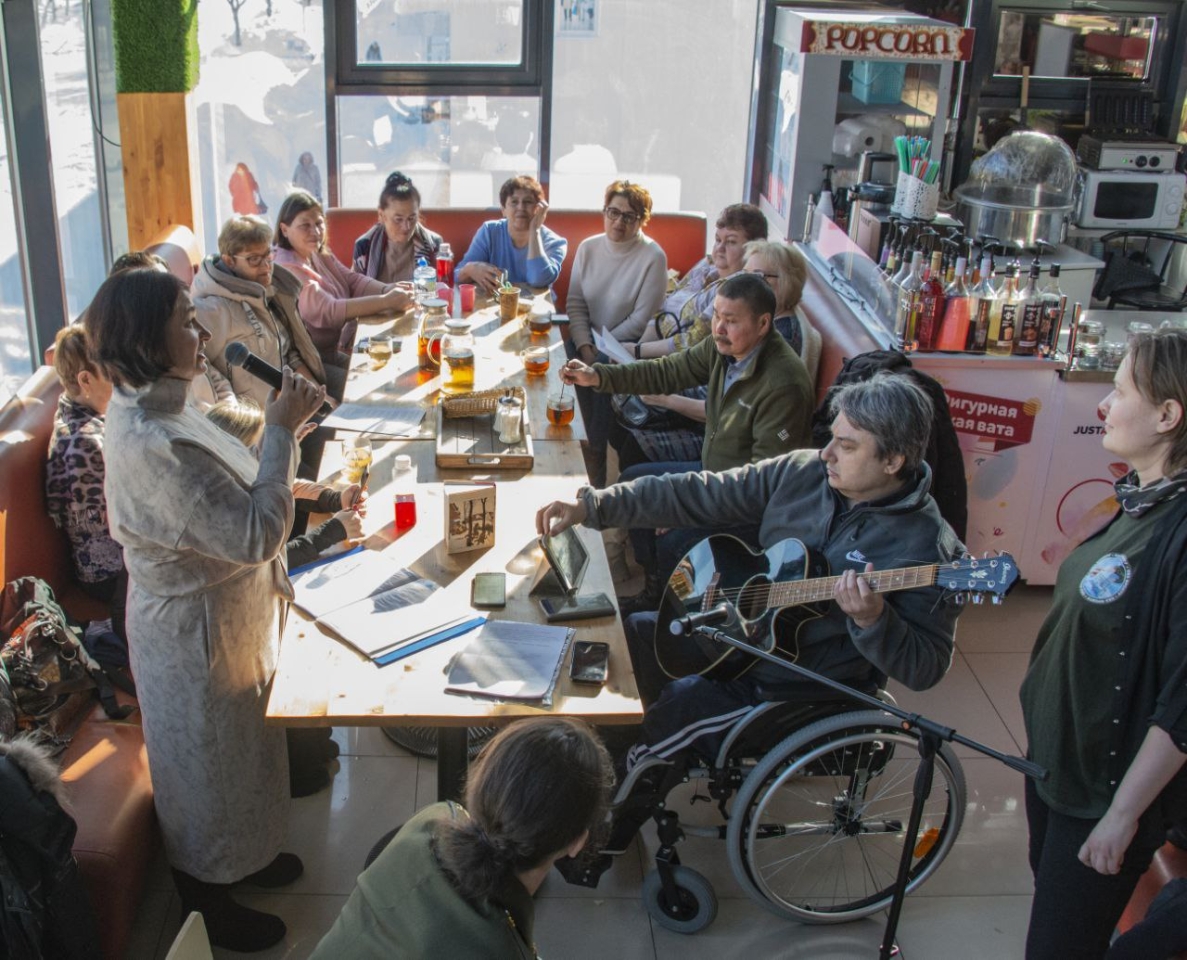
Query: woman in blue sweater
point(518, 245)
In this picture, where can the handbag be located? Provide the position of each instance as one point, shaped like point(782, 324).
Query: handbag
point(631, 412)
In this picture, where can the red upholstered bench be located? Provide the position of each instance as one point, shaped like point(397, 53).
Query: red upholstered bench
point(1170, 863)
point(682, 235)
point(105, 766)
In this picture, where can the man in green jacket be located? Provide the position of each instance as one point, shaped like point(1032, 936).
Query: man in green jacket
point(759, 403)
point(760, 400)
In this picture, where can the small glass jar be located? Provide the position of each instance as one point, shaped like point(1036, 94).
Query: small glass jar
point(509, 419)
point(1111, 354)
point(1089, 333)
point(1136, 327)
point(1088, 356)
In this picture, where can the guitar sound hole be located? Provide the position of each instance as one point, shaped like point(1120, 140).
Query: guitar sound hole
point(752, 599)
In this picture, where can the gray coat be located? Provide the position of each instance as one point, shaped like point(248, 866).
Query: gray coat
point(911, 642)
point(203, 527)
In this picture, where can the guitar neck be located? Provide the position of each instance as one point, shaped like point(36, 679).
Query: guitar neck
point(795, 592)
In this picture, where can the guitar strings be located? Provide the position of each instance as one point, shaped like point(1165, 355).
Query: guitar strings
point(822, 588)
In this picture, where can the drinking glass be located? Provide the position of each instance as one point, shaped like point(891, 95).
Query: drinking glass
point(356, 457)
point(535, 361)
point(560, 409)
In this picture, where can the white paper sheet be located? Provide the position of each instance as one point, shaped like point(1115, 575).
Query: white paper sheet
point(612, 348)
point(397, 421)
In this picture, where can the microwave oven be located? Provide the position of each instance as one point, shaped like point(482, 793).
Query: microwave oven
point(1130, 199)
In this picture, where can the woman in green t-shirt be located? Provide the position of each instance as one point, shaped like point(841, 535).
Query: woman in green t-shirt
point(1105, 696)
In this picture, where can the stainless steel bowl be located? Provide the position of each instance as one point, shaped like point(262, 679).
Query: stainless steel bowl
point(1018, 216)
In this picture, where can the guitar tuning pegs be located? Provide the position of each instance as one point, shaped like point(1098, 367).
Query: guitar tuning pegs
point(959, 599)
point(996, 600)
point(978, 599)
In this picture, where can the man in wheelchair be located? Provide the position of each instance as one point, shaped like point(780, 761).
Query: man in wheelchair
point(860, 504)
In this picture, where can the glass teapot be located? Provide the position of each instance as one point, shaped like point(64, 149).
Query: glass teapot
point(433, 315)
point(457, 356)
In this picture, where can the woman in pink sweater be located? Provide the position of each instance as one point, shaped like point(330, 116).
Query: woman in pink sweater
point(332, 295)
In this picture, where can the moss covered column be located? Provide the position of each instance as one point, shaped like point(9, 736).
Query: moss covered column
point(156, 62)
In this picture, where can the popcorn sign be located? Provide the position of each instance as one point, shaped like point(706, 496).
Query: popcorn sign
point(888, 41)
point(1004, 423)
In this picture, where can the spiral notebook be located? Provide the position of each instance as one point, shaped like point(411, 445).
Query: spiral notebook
point(508, 660)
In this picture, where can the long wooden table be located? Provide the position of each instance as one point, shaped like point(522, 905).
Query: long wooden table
point(321, 681)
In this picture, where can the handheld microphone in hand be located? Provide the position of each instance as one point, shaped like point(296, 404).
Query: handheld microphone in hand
point(239, 356)
point(684, 626)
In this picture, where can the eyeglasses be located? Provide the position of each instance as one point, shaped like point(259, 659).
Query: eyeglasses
point(768, 277)
point(411, 221)
point(256, 259)
point(613, 214)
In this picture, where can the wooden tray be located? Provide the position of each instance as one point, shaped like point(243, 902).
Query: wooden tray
point(474, 442)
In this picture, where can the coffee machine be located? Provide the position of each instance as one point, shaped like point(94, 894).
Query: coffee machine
point(870, 200)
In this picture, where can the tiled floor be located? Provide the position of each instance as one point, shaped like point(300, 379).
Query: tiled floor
point(976, 906)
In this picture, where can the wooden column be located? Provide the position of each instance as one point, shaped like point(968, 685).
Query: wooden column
point(159, 142)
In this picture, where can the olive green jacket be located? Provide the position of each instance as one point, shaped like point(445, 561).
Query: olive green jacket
point(767, 412)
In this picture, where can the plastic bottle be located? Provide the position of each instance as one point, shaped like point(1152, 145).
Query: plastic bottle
point(424, 281)
point(1026, 339)
point(404, 480)
point(1003, 319)
point(906, 313)
point(954, 328)
point(1051, 314)
point(931, 304)
point(983, 297)
point(445, 265)
point(824, 206)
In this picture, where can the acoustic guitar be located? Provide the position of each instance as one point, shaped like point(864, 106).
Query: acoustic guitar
point(765, 598)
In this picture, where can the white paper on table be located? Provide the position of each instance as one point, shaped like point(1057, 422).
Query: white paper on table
point(612, 348)
point(341, 581)
point(375, 625)
point(395, 421)
point(511, 661)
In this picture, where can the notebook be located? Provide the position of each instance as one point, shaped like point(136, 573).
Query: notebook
point(508, 660)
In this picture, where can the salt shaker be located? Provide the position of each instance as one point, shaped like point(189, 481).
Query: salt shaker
point(509, 419)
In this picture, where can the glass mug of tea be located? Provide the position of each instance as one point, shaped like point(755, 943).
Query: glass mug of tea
point(356, 457)
point(540, 324)
point(379, 349)
point(535, 361)
point(560, 409)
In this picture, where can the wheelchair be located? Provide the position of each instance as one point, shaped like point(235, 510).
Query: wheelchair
point(814, 798)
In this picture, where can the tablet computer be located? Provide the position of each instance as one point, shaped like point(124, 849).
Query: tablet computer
point(567, 557)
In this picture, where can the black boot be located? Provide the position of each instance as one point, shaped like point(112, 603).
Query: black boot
point(284, 869)
point(646, 600)
point(229, 925)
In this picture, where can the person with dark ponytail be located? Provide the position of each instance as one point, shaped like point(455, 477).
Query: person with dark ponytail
point(389, 250)
point(458, 882)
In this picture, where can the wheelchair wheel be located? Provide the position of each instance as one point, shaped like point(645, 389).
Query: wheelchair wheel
point(817, 829)
point(698, 903)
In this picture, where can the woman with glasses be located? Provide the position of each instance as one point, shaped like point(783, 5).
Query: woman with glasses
point(242, 296)
point(786, 271)
point(333, 296)
point(618, 282)
point(519, 245)
point(389, 250)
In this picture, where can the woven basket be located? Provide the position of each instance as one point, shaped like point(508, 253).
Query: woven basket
point(480, 401)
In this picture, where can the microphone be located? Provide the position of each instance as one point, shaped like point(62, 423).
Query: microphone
point(683, 626)
point(239, 356)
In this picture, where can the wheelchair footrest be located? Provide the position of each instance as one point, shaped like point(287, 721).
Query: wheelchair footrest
point(584, 871)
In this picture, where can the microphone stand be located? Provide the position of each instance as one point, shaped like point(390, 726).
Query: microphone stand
point(931, 735)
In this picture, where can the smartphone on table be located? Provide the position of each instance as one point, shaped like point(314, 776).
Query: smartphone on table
point(591, 662)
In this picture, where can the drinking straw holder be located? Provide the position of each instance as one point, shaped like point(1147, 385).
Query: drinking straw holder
point(916, 199)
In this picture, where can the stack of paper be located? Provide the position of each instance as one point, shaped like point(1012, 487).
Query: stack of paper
point(511, 661)
point(391, 421)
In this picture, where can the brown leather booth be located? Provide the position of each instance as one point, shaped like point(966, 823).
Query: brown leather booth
point(105, 766)
point(682, 235)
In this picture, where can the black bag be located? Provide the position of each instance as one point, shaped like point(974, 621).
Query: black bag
point(949, 488)
point(50, 676)
point(632, 413)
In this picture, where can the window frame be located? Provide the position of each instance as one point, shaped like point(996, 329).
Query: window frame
point(346, 77)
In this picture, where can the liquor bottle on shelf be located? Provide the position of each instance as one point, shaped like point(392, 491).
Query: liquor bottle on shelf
point(907, 312)
point(931, 303)
point(954, 328)
point(1051, 314)
point(984, 297)
point(1026, 338)
point(1003, 320)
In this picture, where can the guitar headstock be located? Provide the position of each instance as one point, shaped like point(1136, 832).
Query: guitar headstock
point(994, 576)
